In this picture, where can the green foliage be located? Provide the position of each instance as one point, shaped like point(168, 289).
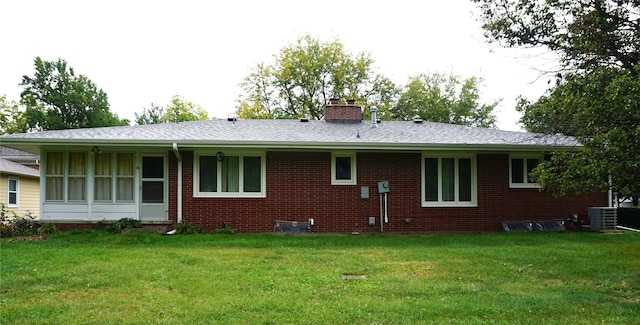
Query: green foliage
point(56, 98)
point(186, 228)
point(12, 116)
point(13, 225)
point(444, 99)
point(47, 229)
point(596, 98)
point(122, 224)
point(226, 229)
point(182, 110)
point(585, 35)
point(179, 110)
point(602, 109)
point(305, 75)
point(153, 115)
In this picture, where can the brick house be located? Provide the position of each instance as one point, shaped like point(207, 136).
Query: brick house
point(344, 173)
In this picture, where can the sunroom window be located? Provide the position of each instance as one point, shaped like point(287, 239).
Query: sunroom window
point(66, 170)
point(448, 180)
point(232, 175)
point(520, 168)
point(113, 172)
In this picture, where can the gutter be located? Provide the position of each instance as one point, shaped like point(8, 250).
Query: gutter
point(177, 153)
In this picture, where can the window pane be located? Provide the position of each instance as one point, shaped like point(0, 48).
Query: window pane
point(13, 198)
point(77, 166)
point(153, 167)
point(13, 185)
point(532, 163)
point(124, 179)
point(124, 164)
point(448, 179)
point(231, 174)
point(517, 170)
point(54, 188)
point(343, 168)
point(103, 164)
point(77, 189)
point(54, 163)
point(431, 179)
point(77, 180)
point(464, 182)
point(251, 173)
point(208, 174)
point(152, 192)
point(102, 189)
point(124, 189)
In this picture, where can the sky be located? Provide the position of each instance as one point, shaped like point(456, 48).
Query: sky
point(143, 52)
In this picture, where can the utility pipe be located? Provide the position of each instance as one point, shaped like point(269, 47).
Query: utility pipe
point(177, 153)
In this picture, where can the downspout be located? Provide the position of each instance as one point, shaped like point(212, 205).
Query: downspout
point(177, 153)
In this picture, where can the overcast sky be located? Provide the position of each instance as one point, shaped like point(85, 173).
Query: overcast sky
point(143, 52)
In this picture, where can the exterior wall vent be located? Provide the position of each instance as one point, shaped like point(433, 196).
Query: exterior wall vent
point(417, 121)
point(304, 120)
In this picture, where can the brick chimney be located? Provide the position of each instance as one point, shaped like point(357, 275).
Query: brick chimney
point(336, 113)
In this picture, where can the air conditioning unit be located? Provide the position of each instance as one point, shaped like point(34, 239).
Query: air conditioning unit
point(603, 218)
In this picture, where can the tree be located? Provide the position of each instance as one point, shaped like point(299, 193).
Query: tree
point(11, 116)
point(182, 110)
point(306, 75)
point(596, 95)
point(57, 98)
point(444, 99)
point(153, 115)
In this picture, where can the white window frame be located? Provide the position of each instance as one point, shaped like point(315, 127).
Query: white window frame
point(474, 180)
point(524, 157)
point(263, 175)
point(113, 177)
point(66, 176)
point(16, 192)
point(354, 172)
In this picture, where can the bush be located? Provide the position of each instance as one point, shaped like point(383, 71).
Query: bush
point(47, 229)
point(124, 223)
point(13, 225)
point(225, 230)
point(185, 228)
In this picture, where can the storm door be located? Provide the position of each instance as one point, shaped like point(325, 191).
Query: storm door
point(153, 203)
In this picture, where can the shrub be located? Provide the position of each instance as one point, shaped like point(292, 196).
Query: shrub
point(185, 228)
point(47, 229)
point(225, 230)
point(124, 223)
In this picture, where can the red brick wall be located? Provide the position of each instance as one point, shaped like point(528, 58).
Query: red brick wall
point(299, 188)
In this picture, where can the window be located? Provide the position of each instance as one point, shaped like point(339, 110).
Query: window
point(12, 196)
point(343, 168)
point(519, 169)
point(448, 180)
point(232, 175)
point(66, 176)
point(113, 172)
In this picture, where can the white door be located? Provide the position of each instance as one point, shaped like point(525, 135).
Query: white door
point(153, 189)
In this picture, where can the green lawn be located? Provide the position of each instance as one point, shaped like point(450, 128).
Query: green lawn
point(526, 278)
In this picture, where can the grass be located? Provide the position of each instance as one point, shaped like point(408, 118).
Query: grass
point(533, 278)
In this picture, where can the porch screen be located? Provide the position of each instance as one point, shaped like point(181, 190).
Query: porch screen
point(124, 177)
point(54, 186)
point(102, 180)
point(77, 176)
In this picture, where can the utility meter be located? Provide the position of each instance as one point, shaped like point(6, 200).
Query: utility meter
point(383, 187)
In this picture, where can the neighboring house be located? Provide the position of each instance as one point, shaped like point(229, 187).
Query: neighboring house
point(341, 172)
point(20, 182)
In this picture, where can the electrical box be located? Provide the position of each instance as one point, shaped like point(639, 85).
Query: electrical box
point(383, 187)
point(372, 221)
point(364, 192)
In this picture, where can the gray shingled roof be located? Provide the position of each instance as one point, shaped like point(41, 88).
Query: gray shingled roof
point(388, 135)
point(10, 167)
